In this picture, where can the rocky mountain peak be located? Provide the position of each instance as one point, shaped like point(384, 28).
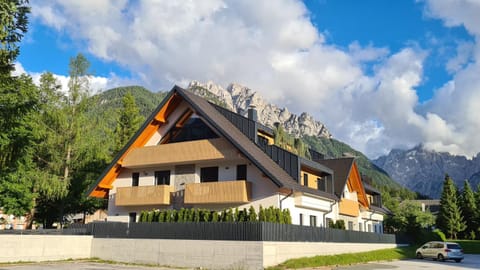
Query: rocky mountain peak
point(423, 170)
point(239, 98)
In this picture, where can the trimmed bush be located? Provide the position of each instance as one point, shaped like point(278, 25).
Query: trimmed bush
point(270, 214)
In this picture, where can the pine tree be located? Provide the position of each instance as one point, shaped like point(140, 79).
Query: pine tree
point(469, 209)
point(450, 219)
point(128, 122)
point(13, 25)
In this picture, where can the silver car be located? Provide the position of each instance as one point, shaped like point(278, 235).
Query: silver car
point(441, 251)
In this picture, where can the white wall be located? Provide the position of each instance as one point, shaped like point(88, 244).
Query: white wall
point(15, 248)
point(182, 253)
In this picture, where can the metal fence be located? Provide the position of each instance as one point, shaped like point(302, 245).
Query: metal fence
point(259, 231)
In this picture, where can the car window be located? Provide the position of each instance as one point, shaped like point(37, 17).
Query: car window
point(453, 246)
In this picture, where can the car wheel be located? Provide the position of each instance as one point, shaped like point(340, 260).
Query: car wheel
point(458, 260)
point(440, 257)
point(419, 255)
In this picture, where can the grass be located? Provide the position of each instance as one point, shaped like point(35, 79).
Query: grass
point(349, 258)
point(469, 246)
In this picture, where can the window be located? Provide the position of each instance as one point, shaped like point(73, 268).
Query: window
point(305, 179)
point(321, 184)
point(313, 221)
point(360, 226)
point(209, 174)
point(350, 225)
point(162, 178)
point(369, 227)
point(241, 172)
point(132, 217)
point(301, 219)
point(135, 179)
point(193, 129)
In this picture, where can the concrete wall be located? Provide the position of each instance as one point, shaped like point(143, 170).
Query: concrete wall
point(218, 254)
point(182, 253)
point(14, 248)
point(179, 253)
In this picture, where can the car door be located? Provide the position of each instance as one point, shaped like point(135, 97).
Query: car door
point(426, 250)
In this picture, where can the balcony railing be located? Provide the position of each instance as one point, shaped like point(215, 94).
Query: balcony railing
point(143, 195)
point(218, 192)
point(180, 153)
point(349, 208)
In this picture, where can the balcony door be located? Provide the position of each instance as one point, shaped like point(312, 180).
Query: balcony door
point(162, 178)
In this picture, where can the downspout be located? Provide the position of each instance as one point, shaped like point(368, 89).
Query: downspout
point(328, 212)
point(288, 195)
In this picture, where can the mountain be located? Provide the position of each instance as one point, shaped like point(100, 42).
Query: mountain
point(423, 170)
point(107, 104)
point(238, 98)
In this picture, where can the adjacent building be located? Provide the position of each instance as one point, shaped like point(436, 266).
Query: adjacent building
point(193, 153)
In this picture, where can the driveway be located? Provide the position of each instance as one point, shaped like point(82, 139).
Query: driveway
point(470, 262)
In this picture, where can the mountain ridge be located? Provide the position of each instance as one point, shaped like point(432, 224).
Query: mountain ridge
point(423, 170)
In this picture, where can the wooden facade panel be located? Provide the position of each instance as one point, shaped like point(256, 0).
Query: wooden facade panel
point(218, 192)
point(143, 195)
point(349, 208)
point(180, 153)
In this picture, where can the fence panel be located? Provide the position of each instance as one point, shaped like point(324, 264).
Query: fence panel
point(247, 231)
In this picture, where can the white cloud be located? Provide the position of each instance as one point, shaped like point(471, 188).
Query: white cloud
point(272, 47)
point(96, 83)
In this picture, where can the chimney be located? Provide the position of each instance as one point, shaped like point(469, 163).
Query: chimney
point(252, 113)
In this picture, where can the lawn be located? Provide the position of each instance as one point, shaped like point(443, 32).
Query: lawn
point(350, 258)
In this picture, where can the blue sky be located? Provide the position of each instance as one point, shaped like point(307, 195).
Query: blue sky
point(380, 74)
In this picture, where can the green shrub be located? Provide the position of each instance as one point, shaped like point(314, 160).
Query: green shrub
point(215, 217)
point(287, 218)
point(440, 235)
point(229, 215)
point(150, 216)
point(278, 216)
point(161, 216)
point(196, 215)
point(252, 216)
point(205, 215)
point(262, 215)
point(168, 216)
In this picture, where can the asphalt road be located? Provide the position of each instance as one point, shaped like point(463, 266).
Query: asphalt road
point(470, 262)
point(78, 265)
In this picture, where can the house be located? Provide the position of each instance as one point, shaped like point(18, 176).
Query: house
point(360, 204)
point(192, 153)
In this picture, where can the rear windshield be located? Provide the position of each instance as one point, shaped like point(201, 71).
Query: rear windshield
point(453, 246)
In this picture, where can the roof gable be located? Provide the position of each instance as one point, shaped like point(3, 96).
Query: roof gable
point(346, 174)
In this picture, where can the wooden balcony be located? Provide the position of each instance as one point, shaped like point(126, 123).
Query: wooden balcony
point(143, 195)
point(180, 153)
point(349, 208)
point(224, 192)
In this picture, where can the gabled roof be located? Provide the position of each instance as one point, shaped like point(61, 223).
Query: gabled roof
point(341, 168)
point(226, 129)
point(344, 168)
